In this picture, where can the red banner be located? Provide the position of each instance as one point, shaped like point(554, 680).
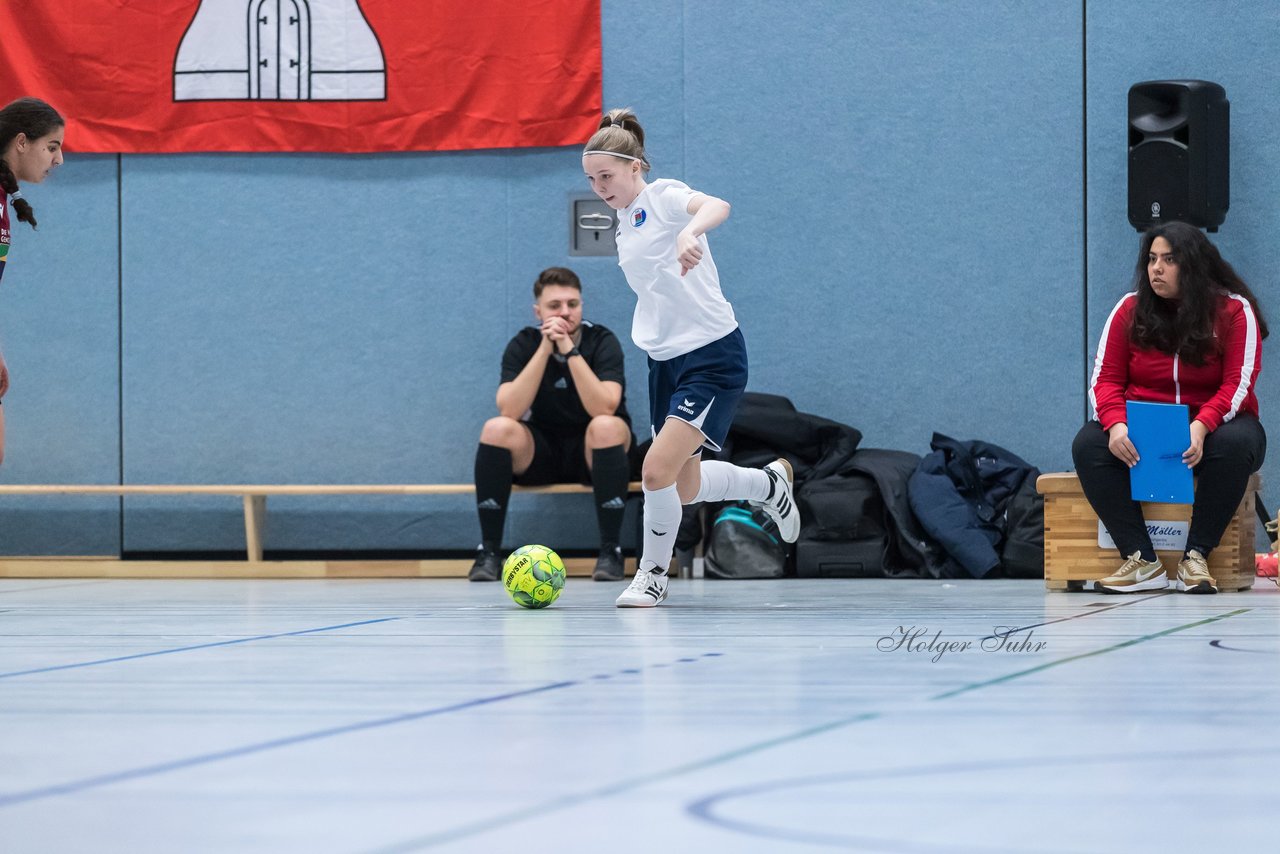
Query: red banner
point(308, 75)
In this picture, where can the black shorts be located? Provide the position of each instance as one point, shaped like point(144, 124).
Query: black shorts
point(560, 457)
point(557, 458)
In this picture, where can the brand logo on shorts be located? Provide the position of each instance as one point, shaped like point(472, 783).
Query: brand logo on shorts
point(687, 406)
point(638, 216)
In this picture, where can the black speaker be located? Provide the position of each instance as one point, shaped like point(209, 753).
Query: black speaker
point(1179, 140)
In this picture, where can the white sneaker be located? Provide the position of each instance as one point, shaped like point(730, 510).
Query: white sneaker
point(647, 589)
point(781, 504)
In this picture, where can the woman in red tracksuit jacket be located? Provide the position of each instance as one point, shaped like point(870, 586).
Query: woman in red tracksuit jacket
point(1189, 333)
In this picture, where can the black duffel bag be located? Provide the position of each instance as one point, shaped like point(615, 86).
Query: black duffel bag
point(844, 507)
point(842, 532)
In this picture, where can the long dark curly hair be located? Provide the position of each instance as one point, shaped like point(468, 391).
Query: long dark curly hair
point(1184, 327)
point(34, 118)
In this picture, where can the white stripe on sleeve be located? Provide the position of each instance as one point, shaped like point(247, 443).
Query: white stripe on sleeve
point(1250, 356)
point(1102, 351)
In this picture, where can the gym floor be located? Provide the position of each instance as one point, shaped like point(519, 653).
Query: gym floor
point(435, 715)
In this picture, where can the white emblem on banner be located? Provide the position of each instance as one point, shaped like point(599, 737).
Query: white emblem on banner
point(279, 50)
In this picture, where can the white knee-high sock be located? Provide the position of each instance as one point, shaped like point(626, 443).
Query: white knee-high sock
point(662, 514)
point(726, 482)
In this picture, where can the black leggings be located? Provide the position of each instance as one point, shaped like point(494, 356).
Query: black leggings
point(1231, 453)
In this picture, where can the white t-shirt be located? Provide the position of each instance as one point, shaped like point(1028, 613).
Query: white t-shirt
point(674, 314)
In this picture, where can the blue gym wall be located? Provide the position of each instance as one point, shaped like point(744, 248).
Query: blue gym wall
point(907, 253)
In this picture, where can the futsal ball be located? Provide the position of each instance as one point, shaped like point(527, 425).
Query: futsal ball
point(534, 576)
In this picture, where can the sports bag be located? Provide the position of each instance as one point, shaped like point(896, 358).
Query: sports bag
point(740, 547)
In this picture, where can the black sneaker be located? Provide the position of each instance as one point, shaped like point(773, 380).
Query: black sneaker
point(488, 566)
point(609, 564)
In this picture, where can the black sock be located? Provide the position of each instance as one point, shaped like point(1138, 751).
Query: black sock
point(1149, 555)
point(493, 491)
point(610, 475)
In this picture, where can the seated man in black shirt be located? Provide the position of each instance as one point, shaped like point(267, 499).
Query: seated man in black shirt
point(563, 420)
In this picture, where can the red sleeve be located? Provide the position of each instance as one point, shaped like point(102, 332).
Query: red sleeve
point(1110, 375)
point(1241, 361)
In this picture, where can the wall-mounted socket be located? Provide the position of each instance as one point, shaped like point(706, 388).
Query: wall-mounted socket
point(592, 224)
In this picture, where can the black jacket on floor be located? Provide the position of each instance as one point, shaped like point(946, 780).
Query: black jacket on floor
point(960, 494)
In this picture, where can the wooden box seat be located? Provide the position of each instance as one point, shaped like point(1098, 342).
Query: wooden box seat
point(1073, 557)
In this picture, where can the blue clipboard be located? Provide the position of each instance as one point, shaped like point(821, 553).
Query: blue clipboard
point(1160, 432)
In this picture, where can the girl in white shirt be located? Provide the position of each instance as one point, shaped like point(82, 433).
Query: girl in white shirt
point(697, 355)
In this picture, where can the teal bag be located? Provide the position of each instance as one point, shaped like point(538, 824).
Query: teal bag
point(740, 547)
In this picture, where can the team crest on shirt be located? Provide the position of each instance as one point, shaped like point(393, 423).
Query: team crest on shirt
point(638, 216)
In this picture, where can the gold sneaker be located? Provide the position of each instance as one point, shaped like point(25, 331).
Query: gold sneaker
point(1134, 576)
point(1193, 574)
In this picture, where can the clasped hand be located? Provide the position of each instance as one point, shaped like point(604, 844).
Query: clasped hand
point(1119, 445)
point(556, 331)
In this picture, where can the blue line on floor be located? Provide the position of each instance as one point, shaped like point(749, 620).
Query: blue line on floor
point(705, 808)
point(1218, 644)
point(565, 800)
point(190, 648)
point(13, 798)
point(190, 762)
point(5, 591)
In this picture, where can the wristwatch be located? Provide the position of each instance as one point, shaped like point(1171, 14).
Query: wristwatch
point(573, 352)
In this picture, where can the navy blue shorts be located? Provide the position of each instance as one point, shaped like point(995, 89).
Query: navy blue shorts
point(702, 387)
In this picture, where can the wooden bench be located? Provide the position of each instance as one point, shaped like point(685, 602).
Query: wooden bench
point(254, 498)
point(1073, 556)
